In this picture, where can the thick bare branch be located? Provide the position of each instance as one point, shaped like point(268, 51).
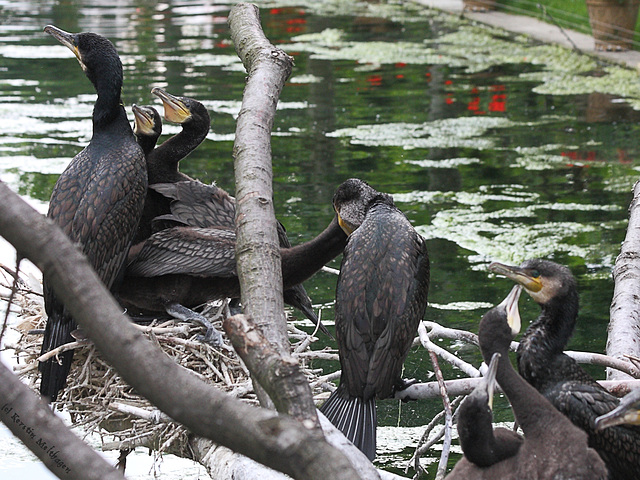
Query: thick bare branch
point(280, 374)
point(257, 250)
point(624, 323)
point(31, 420)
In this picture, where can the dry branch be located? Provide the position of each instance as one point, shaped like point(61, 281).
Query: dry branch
point(624, 324)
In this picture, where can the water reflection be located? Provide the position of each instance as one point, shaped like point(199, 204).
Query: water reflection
point(495, 147)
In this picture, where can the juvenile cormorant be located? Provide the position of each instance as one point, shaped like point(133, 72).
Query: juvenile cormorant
point(191, 266)
point(98, 199)
point(381, 296)
point(553, 448)
point(147, 127)
point(163, 160)
point(481, 444)
point(558, 377)
point(195, 204)
point(628, 412)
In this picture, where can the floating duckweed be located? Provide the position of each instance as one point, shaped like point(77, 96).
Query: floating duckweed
point(468, 132)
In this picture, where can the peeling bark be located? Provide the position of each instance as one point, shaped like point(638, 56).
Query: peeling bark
point(624, 324)
point(280, 374)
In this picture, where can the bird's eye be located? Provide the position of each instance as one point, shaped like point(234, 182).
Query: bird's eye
point(535, 273)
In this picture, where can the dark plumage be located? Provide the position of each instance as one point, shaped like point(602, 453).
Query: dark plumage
point(147, 127)
point(191, 266)
point(98, 199)
point(481, 444)
point(195, 204)
point(553, 448)
point(558, 377)
point(381, 297)
point(163, 160)
point(627, 412)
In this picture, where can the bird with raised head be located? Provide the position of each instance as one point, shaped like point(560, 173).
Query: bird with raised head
point(552, 447)
point(381, 296)
point(98, 199)
point(482, 444)
point(557, 376)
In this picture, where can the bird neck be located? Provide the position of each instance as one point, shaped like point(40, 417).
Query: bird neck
point(475, 430)
point(302, 261)
point(529, 406)
point(163, 160)
point(108, 84)
point(546, 338)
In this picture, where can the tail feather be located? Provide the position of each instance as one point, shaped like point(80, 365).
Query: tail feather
point(355, 418)
point(55, 370)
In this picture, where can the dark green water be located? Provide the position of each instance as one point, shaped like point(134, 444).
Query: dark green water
point(496, 148)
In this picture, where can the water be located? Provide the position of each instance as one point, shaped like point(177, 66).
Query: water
point(496, 148)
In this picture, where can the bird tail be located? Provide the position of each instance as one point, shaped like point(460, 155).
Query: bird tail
point(55, 370)
point(355, 418)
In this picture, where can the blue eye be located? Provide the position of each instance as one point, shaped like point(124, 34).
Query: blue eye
point(535, 273)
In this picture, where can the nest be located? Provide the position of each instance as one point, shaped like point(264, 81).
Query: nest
point(100, 402)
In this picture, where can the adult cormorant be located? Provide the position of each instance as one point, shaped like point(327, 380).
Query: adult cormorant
point(558, 377)
point(553, 448)
point(98, 199)
point(628, 412)
point(481, 444)
point(381, 296)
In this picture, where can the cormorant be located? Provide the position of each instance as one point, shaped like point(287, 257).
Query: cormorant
point(558, 377)
point(195, 204)
point(628, 412)
point(191, 266)
point(147, 127)
point(98, 199)
point(381, 296)
point(163, 160)
point(481, 444)
point(553, 448)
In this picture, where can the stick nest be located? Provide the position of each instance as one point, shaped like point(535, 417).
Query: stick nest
point(100, 401)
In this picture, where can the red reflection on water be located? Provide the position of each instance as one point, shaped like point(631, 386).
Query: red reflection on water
point(498, 103)
point(374, 80)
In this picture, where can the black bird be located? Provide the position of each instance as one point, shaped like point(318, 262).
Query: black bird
point(98, 199)
point(147, 127)
point(553, 448)
point(190, 266)
point(628, 412)
point(558, 377)
point(163, 160)
point(481, 444)
point(381, 296)
point(195, 204)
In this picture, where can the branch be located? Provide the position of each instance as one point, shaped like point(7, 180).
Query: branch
point(31, 420)
point(624, 323)
point(257, 248)
point(280, 374)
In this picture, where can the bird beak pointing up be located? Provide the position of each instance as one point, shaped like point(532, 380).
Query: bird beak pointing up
point(511, 305)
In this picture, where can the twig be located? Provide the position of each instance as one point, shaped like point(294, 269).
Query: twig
point(448, 418)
